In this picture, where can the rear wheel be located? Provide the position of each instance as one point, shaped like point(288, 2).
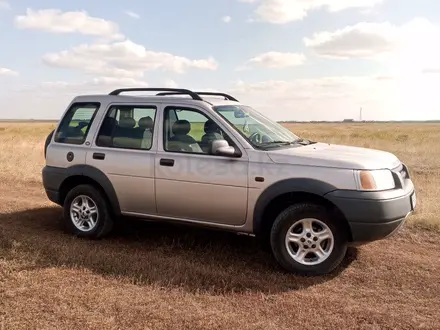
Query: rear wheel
point(86, 212)
point(307, 240)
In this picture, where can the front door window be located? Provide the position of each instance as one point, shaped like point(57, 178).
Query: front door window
point(190, 131)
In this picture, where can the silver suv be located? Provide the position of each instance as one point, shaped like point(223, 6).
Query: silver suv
point(214, 162)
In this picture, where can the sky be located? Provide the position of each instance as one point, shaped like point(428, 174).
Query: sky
point(289, 59)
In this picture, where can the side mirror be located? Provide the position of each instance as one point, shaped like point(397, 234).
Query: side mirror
point(222, 148)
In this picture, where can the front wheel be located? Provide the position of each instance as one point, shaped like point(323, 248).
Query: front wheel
point(307, 240)
point(86, 212)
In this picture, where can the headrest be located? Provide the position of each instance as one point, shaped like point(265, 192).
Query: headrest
point(127, 122)
point(146, 123)
point(181, 127)
point(210, 126)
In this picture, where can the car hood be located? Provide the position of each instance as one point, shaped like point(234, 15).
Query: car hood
point(332, 155)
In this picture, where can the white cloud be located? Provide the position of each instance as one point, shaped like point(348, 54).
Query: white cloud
point(363, 40)
point(227, 19)
point(409, 48)
point(49, 99)
point(8, 72)
point(123, 59)
point(431, 70)
point(275, 60)
point(132, 14)
point(336, 98)
point(328, 98)
point(169, 83)
point(56, 21)
point(4, 5)
point(101, 85)
point(284, 11)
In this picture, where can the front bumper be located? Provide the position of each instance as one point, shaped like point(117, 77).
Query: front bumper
point(375, 215)
point(368, 232)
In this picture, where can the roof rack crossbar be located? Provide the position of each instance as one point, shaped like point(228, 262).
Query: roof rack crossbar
point(226, 96)
point(195, 96)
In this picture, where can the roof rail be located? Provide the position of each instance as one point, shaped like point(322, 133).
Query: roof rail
point(226, 96)
point(195, 96)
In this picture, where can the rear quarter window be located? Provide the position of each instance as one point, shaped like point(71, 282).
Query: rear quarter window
point(76, 123)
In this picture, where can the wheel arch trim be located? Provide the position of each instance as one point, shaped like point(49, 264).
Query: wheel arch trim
point(54, 178)
point(295, 185)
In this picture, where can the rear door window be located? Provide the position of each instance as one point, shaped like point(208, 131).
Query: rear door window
point(128, 127)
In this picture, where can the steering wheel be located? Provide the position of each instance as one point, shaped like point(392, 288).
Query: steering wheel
point(255, 137)
point(259, 138)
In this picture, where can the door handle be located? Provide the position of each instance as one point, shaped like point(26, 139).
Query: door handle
point(166, 162)
point(98, 155)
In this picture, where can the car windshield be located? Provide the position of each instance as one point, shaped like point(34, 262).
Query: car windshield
point(259, 130)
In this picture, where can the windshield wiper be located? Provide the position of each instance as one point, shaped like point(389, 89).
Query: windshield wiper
point(304, 142)
point(286, 143)
point(276, 143)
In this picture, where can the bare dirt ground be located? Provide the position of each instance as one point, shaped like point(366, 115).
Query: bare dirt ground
point(162, 276)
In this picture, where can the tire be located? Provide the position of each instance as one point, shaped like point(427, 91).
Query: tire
point(287, 254)
point(103, 220)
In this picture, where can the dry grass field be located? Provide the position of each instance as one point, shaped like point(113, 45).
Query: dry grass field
point(157, 276)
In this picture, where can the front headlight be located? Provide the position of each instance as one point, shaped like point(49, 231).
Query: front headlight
point(374, 180)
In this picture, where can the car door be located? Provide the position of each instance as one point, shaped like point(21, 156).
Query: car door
point(191, 183)
point(124, 149)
